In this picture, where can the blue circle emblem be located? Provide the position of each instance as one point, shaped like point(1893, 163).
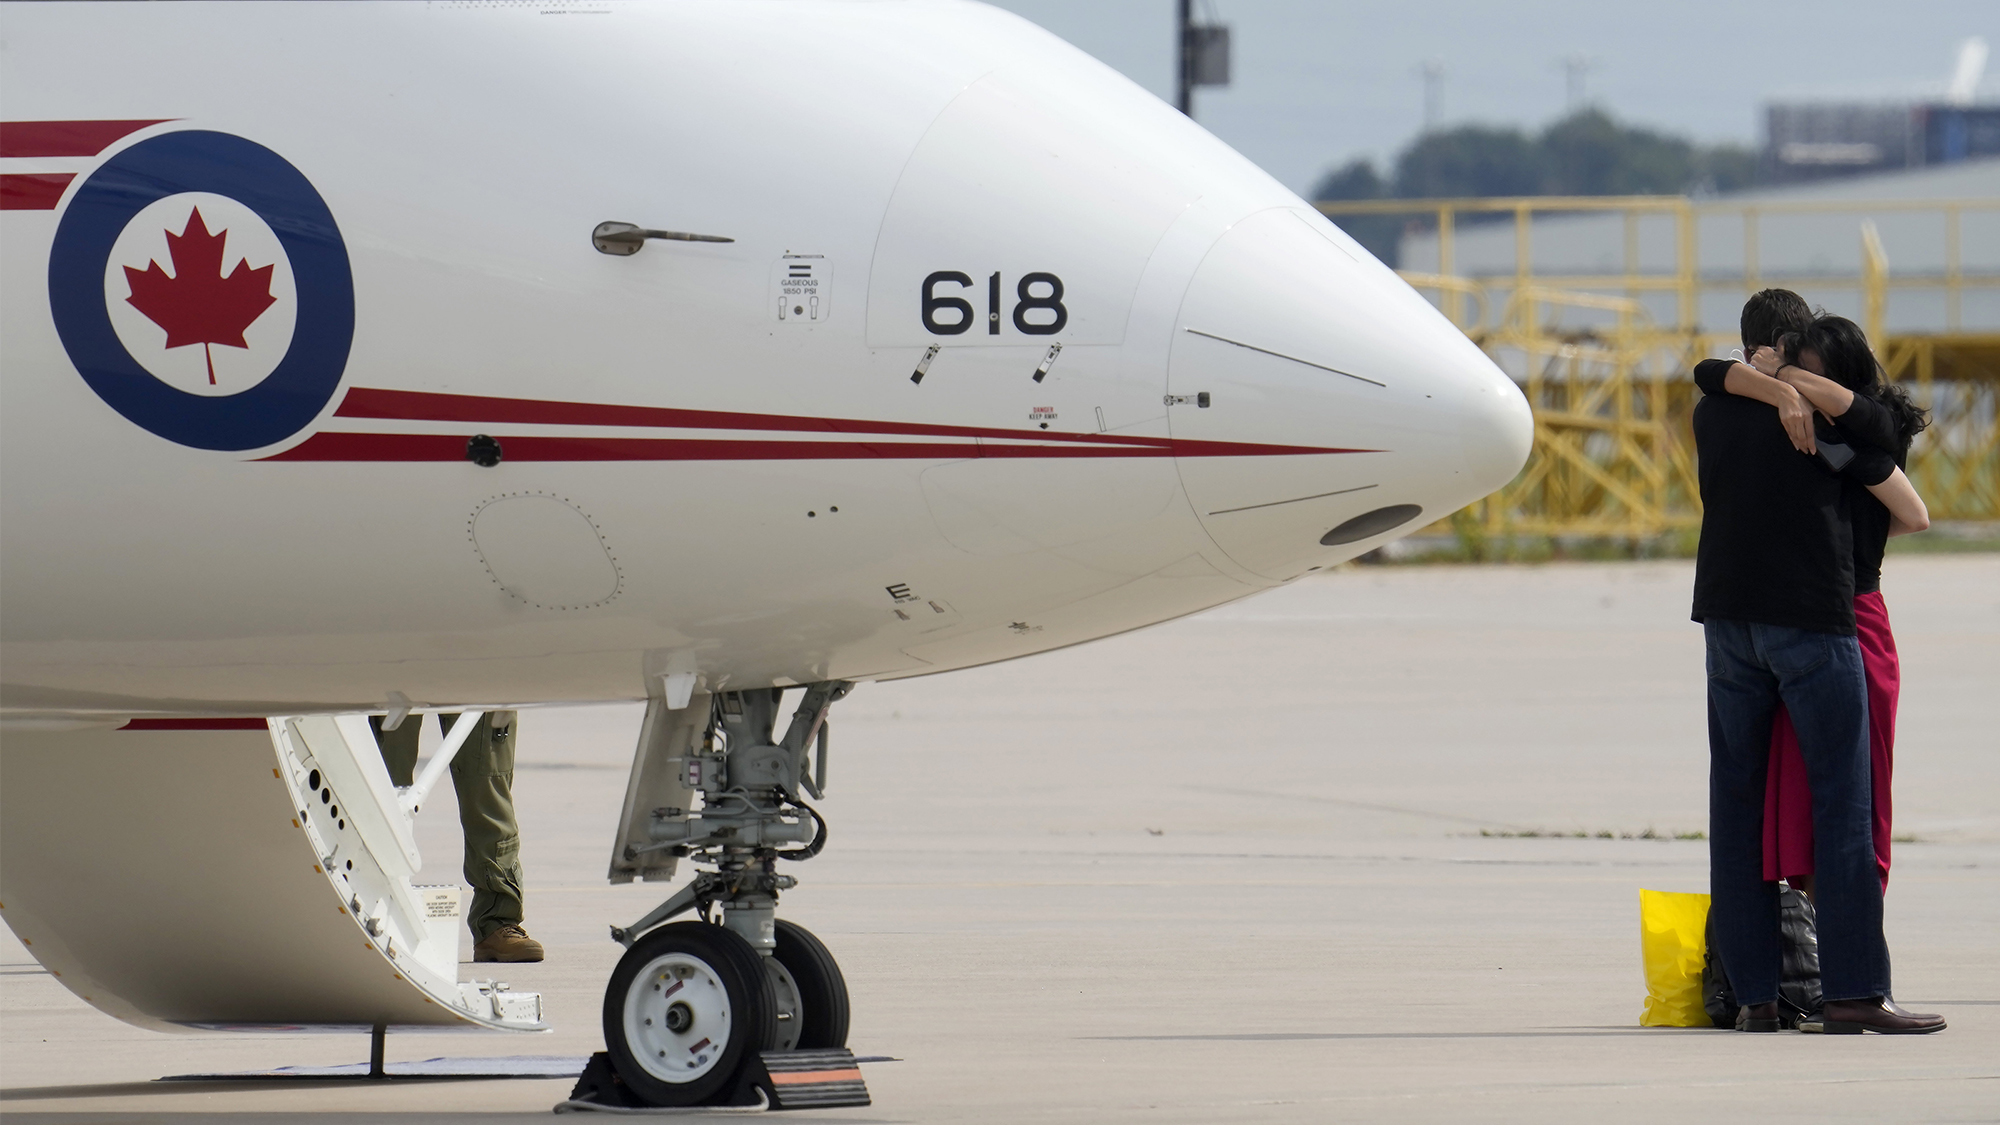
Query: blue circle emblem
point(303, 382)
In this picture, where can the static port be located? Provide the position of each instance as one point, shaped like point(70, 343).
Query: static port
point(1370, 524)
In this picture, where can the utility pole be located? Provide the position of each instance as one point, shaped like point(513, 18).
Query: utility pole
point(1575, 69)
point(1204, 55)
point(1433, 71)
point(1183, 26)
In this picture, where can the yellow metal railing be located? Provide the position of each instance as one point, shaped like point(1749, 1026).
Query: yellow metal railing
point(1955, 464)
point(1611, 388)
point(1874, 280)
point(1684, 279)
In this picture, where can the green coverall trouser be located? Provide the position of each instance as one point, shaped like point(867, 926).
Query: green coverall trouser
point(483, 775)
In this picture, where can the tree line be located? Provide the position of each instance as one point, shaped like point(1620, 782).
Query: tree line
point(1586, 153)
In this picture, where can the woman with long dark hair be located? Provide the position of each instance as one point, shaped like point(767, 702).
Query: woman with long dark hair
point(1831, 365)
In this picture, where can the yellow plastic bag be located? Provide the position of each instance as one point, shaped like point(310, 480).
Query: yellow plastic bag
point(1673, 939)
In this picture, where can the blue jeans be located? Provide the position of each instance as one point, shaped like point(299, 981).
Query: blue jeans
point(1751, 668)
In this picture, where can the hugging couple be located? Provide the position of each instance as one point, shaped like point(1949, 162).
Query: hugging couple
point(1801, 447)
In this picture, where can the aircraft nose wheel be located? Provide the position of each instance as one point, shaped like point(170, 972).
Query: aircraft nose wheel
point(685, 1004)
point(818, 992)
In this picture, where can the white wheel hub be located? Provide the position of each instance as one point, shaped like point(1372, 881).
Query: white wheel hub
point(677, 1017)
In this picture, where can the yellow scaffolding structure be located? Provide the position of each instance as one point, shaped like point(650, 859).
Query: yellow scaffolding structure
point(1613, 453)
point(1956, 463)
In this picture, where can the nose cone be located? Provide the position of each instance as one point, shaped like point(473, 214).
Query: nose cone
point(1343, 409)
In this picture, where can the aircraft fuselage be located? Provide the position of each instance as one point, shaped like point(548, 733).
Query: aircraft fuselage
point(316, 387)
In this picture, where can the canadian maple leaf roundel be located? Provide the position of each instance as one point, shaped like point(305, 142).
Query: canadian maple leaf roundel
point(198, 304)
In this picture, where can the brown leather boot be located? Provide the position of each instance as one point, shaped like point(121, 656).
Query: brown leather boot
point(508, 943)
point(1880, 1015)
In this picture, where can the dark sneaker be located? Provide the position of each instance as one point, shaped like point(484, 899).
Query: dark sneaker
point(508, 943)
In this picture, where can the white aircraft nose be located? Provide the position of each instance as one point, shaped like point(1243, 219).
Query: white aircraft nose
point(1320, 406)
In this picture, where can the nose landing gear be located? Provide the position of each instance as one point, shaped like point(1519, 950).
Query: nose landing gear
point(693, 1007)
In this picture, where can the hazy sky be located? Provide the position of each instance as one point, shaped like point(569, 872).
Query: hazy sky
point(1318, 82)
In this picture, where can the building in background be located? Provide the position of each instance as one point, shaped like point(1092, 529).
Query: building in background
point(1807, 142)
point(1828, 140)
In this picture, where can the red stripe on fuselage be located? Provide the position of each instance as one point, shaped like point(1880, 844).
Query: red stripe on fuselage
point(451, 447)
point(334, 446)
point(196, 724)
point(971, 441)
point(64, 138)
point(33, 191)
point(365, 402)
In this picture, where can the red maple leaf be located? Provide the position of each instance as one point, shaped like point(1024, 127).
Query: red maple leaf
point(198, 305)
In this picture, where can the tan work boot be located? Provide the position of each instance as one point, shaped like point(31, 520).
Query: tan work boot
point(508, 943)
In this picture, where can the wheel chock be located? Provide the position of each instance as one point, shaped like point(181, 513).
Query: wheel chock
point(822, 1079)
point(599, 1087)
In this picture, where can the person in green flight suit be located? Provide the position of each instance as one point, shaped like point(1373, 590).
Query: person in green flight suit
point(483, 775)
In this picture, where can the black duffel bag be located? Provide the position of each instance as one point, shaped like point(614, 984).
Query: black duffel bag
point(1798, 976)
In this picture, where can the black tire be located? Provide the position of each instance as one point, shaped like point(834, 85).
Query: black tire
point(724, 991)
point(822, 990)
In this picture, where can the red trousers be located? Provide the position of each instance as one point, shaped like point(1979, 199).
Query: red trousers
point(1788, 829)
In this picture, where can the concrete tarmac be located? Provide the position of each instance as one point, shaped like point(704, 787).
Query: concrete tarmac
point(1274, 863)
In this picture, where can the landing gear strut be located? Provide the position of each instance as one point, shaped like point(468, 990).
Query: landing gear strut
point(691, 1002)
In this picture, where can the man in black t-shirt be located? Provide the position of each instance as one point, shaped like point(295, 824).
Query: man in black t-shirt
point(1774, 590)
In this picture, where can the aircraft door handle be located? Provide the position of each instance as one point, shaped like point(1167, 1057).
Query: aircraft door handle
point(627, 239)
